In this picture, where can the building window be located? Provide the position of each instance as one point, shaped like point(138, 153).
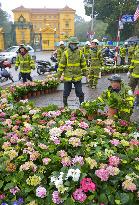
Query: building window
point(67, 24)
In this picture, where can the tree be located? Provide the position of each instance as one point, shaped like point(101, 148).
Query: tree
point(109, 11)
point(82, 27)
point(7, 26)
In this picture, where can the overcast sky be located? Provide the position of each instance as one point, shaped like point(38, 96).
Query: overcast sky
point(8, 5)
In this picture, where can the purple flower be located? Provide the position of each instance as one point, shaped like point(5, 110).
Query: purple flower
point(56, 198)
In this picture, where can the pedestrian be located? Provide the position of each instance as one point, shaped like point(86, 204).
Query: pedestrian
point(118, 98)
point(60, 51)
point(96, 64)
point(25, 62)
point(72, 68)
point(134, 73)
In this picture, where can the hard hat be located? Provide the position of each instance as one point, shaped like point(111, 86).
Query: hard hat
point(95, 41)
point(73, 39)
point(88, 43)
point(126, 43)
point(61, 43)
point(115, 77)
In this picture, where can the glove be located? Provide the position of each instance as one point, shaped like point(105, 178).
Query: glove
point(16, 68)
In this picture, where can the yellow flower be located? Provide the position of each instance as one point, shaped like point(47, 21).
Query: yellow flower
point(33, 180)
point(91, 162)
point(125, 143)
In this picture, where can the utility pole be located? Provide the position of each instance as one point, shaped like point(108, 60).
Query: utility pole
point(92, 24)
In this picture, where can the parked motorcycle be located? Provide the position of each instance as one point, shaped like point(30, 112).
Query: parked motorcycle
point(44, 66)
point(5, 73)
point(108, 61)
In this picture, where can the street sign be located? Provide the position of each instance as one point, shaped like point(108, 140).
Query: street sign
point(127, 18)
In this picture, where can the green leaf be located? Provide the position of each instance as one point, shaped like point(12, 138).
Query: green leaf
point(1, 183)
point(103, 198)
point(8, 186)
point(124, 198)
point(69, 201)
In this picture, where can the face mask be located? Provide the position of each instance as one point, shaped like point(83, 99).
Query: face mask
point(116, 90)
point(73, 47)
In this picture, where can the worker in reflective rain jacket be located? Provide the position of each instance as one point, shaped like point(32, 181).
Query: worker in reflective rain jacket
point(87, 52)
point(119, 98)
point(25, 62)
point(134, 72)
point(71, 68)
point(124, 53)
point(96, 63)
point(60, 51)
point(131, 52)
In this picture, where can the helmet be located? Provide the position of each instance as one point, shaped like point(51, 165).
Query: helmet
point(126, 43)
point(61, 43)
point(73, 39)
point(95, 41)
point(115, 77)
point(88, 43)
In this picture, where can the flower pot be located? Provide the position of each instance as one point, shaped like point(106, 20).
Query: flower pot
point(38, 93)
point(34, 94)
point(111, 112)
point(45, 91)
point(42, 92)
point(25, 97)
point(29, 95)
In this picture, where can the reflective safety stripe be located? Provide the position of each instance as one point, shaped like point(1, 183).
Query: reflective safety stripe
point(60, 69)
point(72, 64)
point(61, 65)
point(25, 71)
point(100, 99)
point(135, 75)
point(69, 79)
point(95, 58)
point(108, 93)
point(135, 61)
point(84, 63)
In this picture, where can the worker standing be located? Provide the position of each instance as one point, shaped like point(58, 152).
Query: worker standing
point(72, 68)
point(96, 63)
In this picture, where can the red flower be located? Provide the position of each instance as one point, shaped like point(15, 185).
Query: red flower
point(87, 185)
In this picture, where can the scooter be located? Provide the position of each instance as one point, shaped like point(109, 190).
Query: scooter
point(5, 73)
point(44, 66)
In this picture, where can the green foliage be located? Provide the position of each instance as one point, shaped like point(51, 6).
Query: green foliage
point(110, 11)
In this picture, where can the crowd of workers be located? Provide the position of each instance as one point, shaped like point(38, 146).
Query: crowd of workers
point(74, 63)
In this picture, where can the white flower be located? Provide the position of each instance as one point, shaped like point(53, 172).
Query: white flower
point(55, 132)
point(130, 92)
point(74, 173)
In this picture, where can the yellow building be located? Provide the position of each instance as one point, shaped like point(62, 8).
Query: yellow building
point(1, 39)
point(43, 27)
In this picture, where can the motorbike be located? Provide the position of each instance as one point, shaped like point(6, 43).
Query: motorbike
point(108, 61)
point(44, 66)
point(5, 73)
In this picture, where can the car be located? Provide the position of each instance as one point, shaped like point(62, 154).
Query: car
point(11, 53)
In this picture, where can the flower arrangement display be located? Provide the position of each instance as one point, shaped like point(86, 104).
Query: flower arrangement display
point(20, 90)
point(54, 156)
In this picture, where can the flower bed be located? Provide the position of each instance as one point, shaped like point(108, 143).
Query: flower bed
point(55, 156)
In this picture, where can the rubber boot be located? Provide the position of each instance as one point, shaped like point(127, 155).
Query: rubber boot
point(81, 99)
point(65, 98)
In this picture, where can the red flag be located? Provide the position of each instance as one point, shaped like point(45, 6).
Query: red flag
point(136, 15)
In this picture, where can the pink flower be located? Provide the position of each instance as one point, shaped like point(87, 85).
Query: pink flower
point(2, 196)
point(62, 153)
point(87, 185)
point(83, 125)
point(41, 192)
point(56, 198)
point(2, 114)
point(134, 142)
point(46, 161)
point(114, 161)
point(66, 161)
point(77, 160)
point(103, 174)
point(136, 92)
point(123, 123)
point(129, 185)
point(14, 190)
point(115, 142)
point(79, 195)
